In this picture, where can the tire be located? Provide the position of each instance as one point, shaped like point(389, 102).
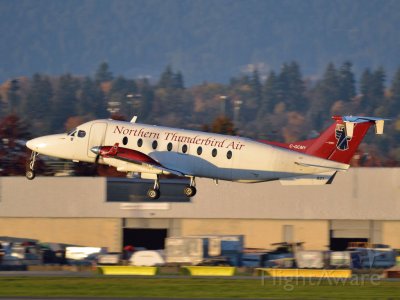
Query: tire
point(189, 191)
point(153, 194)
point(30, 174)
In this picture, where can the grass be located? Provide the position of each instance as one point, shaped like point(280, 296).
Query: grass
point(196, 288)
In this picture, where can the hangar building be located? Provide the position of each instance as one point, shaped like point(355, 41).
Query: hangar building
point(361, 205)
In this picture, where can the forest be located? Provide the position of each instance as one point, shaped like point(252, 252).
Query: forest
point(282, 105)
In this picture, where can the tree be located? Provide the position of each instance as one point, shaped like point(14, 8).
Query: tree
point(223, 125)
point(395, 93)
point(270, 94)
point(103, 73)
point(378, 87)
point(13, 96)
point(324, 95)
point(291, 87)
point(122, 92)
point(36, 103)
point(346, 82)
point(256, 87)
point(90, 99)
point(372, 89)
point(178, 81)
point(167, 78)
point(64, 101)
point(12, 148)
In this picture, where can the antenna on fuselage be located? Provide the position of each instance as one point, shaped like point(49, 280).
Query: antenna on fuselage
point(133, 120)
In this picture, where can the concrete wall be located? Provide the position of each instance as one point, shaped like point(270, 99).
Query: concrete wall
point(74, 210)
point(360, 194)
point(76, 231)
point(262, 233)
point(391, 233)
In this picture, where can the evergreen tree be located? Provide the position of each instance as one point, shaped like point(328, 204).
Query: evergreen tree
point(13, 96)
point(146, 91)
point(331, 85)
point(103, 73)
point(167, 78)
point(378, 87)
point(256, 88)
point(270, 94)
point(324, 95)
point(90, 99)
point(12, 151)
point(346, 82)
point(365, 88)
point(122, 92)
point(223, 125)
point(64, 101)
point(35, 106)
point(395, 94)
point(291, 87)
point(178, 81)
point(372, 86)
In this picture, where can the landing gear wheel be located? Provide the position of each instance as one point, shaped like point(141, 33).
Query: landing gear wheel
point(30, 174)
point(189, 191)
point(153, 193)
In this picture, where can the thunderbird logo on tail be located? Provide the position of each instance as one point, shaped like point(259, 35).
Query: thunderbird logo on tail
point(342, 140)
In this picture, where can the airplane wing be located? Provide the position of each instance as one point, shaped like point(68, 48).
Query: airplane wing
point(137, 161)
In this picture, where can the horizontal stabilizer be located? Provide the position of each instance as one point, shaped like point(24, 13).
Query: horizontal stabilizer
point(350, 121)
point(345, 167)
point(310, 179)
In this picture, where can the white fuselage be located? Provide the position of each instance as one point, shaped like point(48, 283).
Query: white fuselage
point(193, 153)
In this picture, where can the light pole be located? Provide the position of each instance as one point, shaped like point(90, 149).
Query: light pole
point(113, 107)
point(134, 101)
point(236, 112)
point(223, 99)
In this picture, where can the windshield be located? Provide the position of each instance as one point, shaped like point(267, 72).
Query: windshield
point(72, 132)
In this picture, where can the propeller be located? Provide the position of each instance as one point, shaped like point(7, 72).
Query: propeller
point(96, 150)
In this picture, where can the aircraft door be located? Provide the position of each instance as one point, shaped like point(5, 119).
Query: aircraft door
point(97, 136)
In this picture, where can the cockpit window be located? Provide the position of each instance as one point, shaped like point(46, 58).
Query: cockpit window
point(72, 132)
point(81, 133)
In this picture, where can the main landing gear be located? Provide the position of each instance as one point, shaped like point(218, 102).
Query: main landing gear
point(30, 173)
point(154, 192)
point(190, 190)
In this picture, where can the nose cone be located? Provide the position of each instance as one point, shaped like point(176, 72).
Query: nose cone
point(36, 144)
point(95, 149)
point(29, 144)
point(52, 145)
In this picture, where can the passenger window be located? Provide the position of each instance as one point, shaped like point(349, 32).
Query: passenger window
point(199, 150)
point(169, 146)
point(81, 133)
point(125, 140)
point(154, 145)
point(214, 152)
point(229, 154)
point(184, 148)
point(140, 142)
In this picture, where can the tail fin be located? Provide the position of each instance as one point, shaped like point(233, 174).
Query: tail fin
point(340, 141)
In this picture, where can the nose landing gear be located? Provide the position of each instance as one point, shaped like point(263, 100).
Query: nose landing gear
point(30, 173)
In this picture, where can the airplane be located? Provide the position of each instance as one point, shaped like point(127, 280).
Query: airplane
point(153, 150)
